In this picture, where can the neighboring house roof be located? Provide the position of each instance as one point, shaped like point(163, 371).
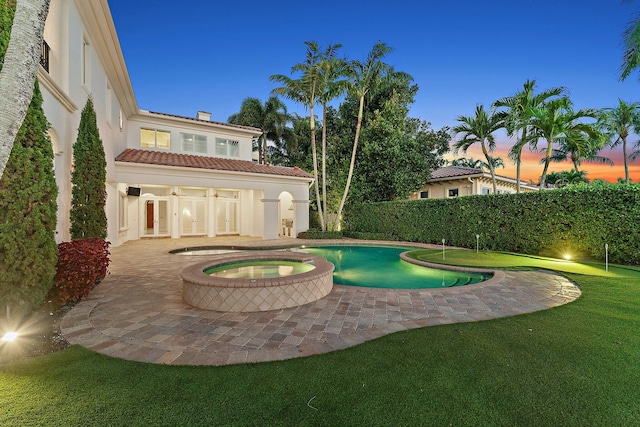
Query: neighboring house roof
point(150, 157)
point(454, 172)
point(457, 172)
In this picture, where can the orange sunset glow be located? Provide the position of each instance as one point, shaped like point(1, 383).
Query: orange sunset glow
point(531, 168)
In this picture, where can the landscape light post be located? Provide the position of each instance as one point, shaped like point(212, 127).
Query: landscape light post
point(443, 248)
point(477, 243)
point(606, 257)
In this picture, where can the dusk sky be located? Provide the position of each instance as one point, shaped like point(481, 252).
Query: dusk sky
point(190, 56)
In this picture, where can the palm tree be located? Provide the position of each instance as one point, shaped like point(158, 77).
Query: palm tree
point(468, 163)
point(619, 122)
point(631, 54)
point(496, 162)
point(480, 129)
point(364, 77)
point(306, 90)
point(518, 116)
point(554, 121)
point(331, 87)
point(564, 178)
point(271, 118)
point(578, 149)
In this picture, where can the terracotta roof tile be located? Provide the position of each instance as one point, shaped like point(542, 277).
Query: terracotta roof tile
point(150, 157)
point(453, 171)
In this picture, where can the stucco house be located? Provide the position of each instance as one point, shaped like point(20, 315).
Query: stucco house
point(456, 181)
point(167, 175)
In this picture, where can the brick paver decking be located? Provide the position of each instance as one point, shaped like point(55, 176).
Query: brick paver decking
point(137, 312)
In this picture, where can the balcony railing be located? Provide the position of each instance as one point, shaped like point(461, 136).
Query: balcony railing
point(44, 56)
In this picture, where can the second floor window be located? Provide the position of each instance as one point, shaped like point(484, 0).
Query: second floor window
point(152, 138)
point(227, 148)
point(191, 143)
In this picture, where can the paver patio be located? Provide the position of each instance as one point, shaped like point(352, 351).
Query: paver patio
point(137, 311)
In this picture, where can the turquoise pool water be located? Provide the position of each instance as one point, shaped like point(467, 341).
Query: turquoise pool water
point(381, 267)
point(259, 269)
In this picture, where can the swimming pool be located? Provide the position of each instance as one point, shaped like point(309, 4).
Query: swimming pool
point(373, 266)
point(381, 267)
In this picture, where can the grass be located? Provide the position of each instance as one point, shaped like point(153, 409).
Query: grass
point(578, 364)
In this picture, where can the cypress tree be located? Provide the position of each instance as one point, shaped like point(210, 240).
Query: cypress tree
point(28, 191)
point(89, 193)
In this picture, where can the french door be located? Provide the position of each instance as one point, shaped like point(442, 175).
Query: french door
point(194, 219)
point(156, 221)
point(227, 216)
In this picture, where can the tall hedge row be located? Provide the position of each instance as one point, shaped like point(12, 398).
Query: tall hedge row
point(578, 220)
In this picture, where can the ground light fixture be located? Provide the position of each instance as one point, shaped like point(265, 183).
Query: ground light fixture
point(10, 336)
point(567, 257)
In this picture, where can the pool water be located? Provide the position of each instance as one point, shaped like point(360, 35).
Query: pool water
point(381, 267)
point(259, 269)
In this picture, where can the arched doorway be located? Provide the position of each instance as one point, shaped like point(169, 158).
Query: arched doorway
point(287, 213)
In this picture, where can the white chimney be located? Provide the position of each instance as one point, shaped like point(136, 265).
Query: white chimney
point(203, 115)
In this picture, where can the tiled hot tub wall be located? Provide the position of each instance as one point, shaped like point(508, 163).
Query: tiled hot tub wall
point(222, 294)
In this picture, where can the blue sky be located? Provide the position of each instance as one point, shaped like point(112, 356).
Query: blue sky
point(190, 56)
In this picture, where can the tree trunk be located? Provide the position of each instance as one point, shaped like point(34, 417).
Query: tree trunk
point(353, 161)
point(19, 70)
point(324, 161)
point(312, 123)
point(624, 156)
point(491, 169)
point(264, 147)
point(546, 165)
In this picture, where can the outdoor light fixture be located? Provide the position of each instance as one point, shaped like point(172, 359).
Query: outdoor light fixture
point(10, 336)
point(567, 257)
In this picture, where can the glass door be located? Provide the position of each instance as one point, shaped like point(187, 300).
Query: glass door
point(156, 217)
point(193, 221)
point(227, 216)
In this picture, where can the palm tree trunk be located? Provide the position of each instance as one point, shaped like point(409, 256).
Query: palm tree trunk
point(518, 162)
point(546, 165)
point(312, 124)
point(624, 156)
point(264, 148)
point(324, 161)
point(493, 173)
point(353, 160)
point(19, 71)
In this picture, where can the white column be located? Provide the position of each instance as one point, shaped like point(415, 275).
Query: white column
point(301, 218)
point(271, 216)
point(211, 213)
point(174, 212)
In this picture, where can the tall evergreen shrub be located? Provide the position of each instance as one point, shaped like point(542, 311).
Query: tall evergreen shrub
point(89, 193)
point(28, 191)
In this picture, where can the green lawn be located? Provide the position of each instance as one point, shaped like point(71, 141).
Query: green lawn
point(578, 365)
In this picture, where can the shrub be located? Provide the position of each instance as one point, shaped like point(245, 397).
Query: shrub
point(369, 235)
point(318, 234)
point(578, 219)
point(82, 264)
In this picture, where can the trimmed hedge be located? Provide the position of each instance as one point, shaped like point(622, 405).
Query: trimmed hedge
point(578, 220)
point(318, 234)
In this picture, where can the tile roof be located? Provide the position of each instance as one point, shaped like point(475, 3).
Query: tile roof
point(150, 157)
point(250, 128)
point(461, 172)
point(454, 171)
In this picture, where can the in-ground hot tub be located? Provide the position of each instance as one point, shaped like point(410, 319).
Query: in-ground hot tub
point(238, 283)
